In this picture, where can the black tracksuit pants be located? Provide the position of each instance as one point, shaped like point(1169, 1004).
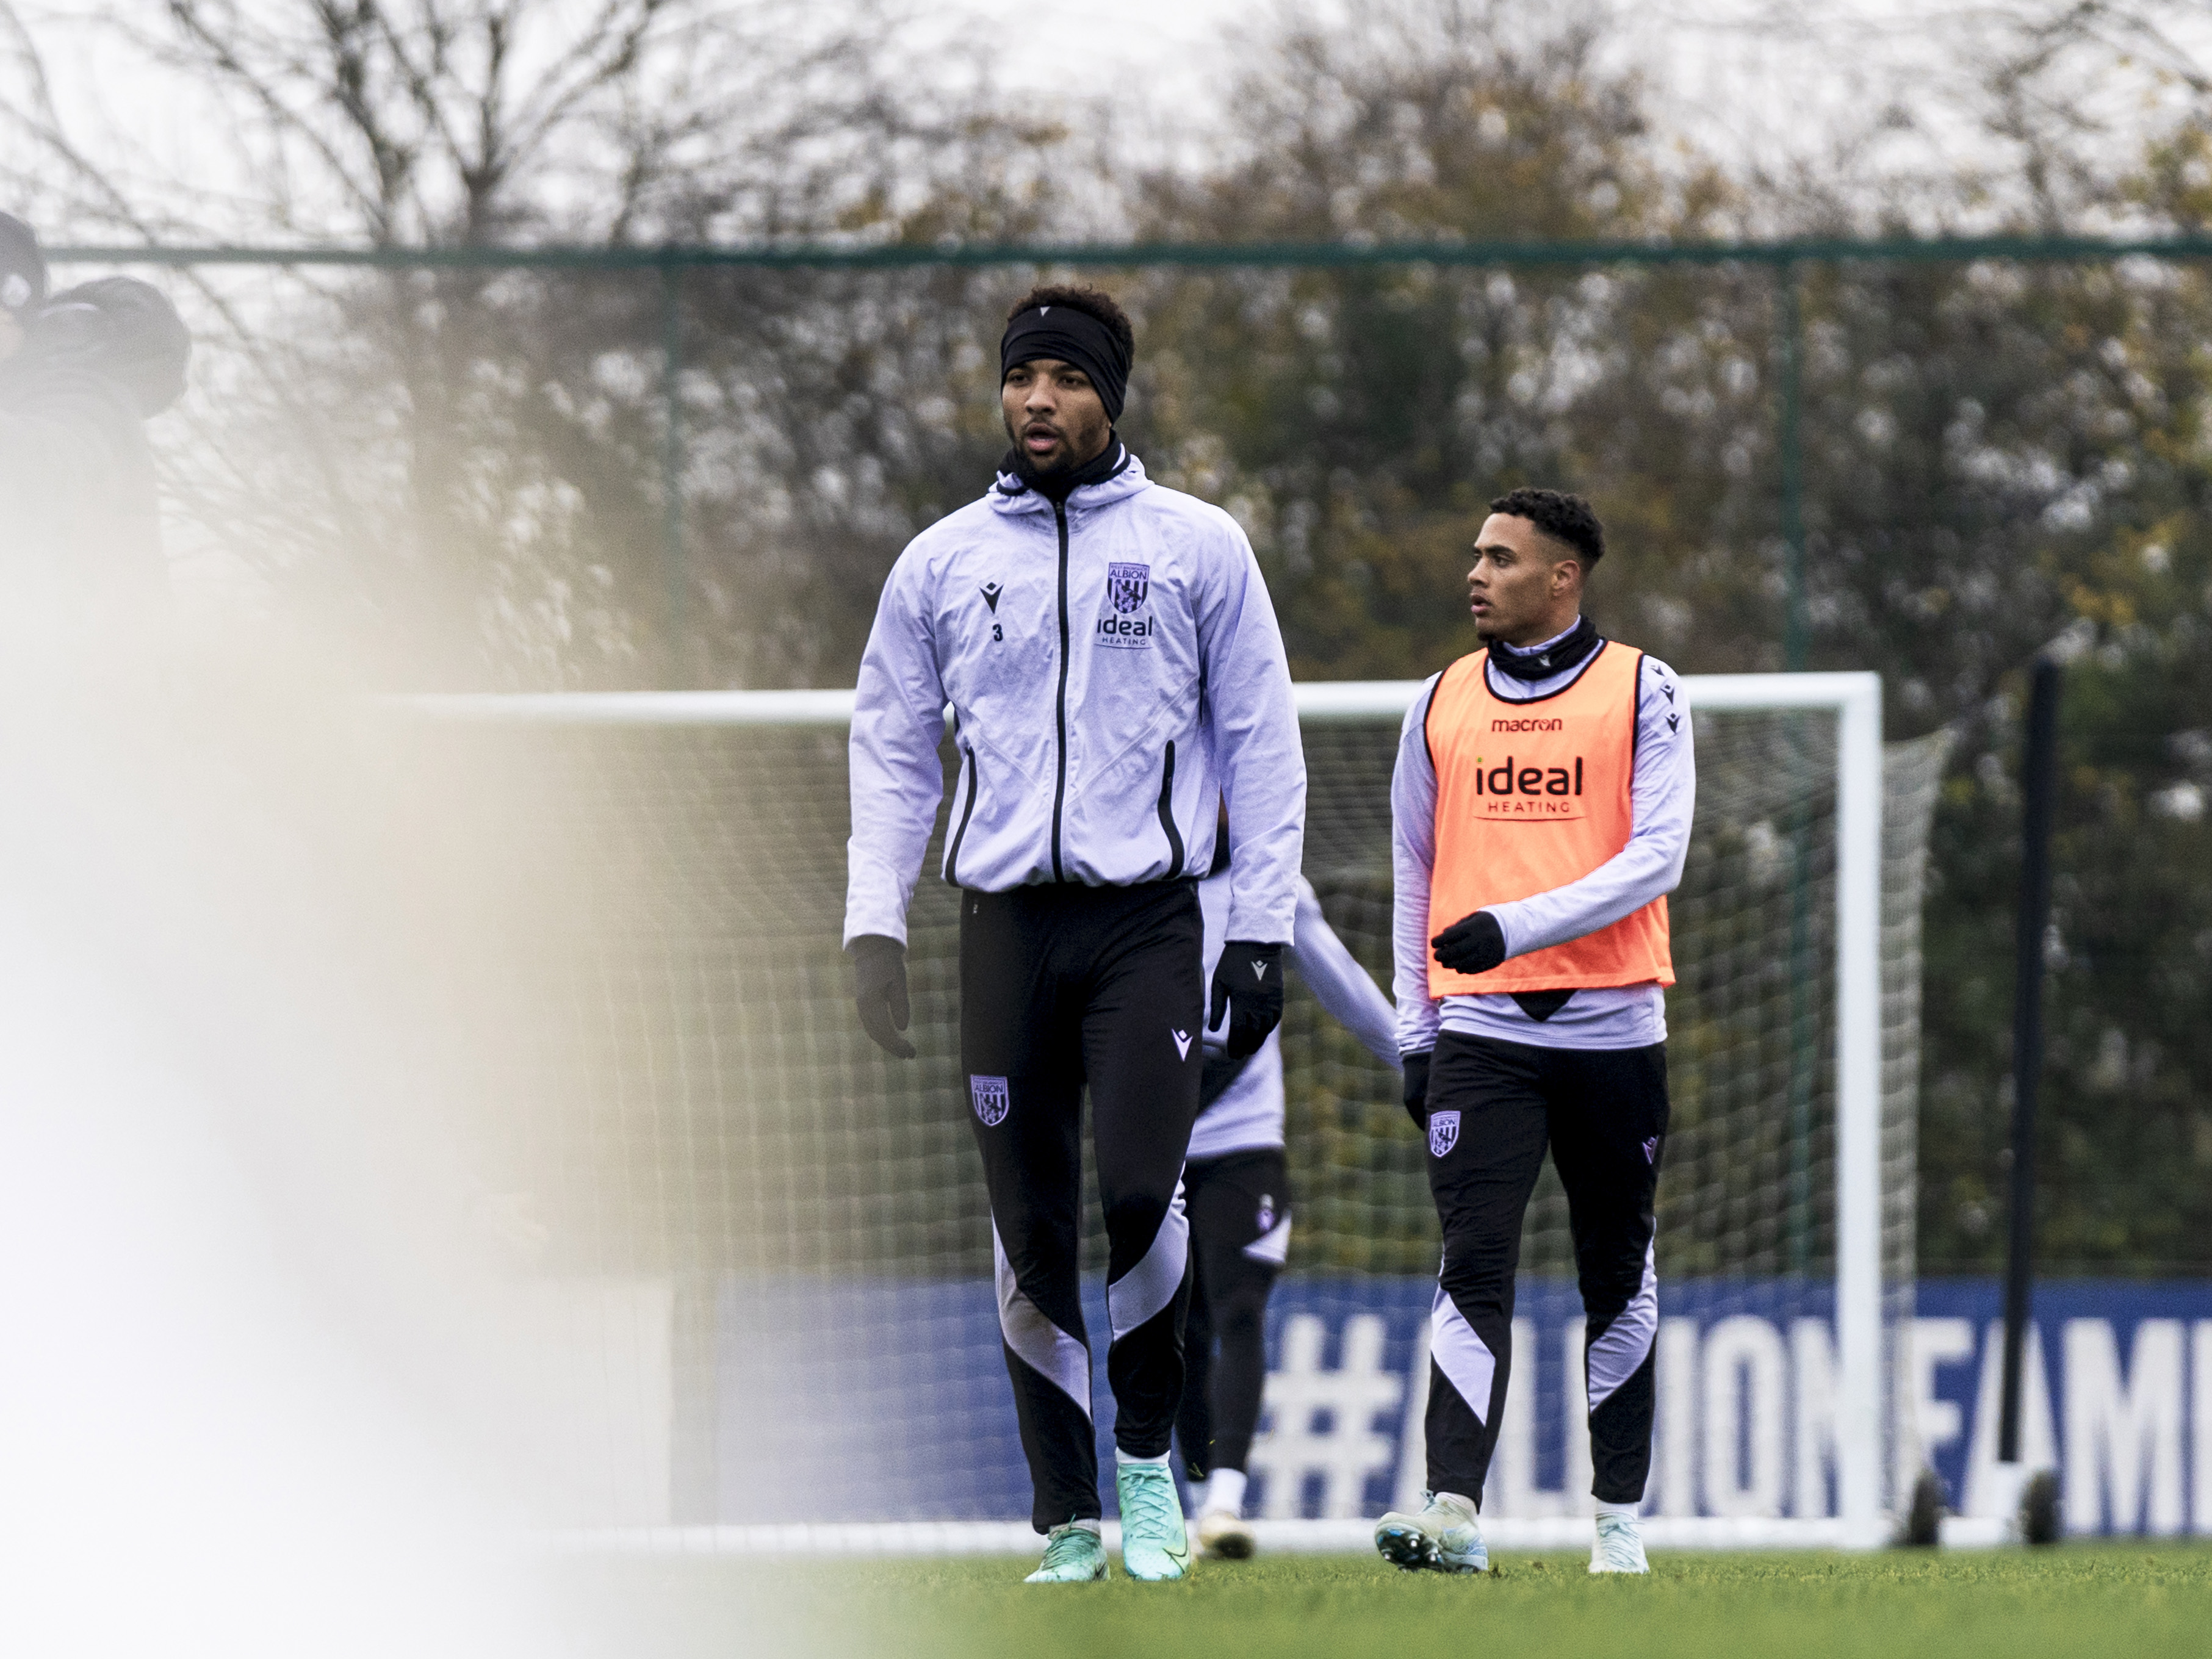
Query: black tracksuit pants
point(1062, 985)
point(1493, 1107)
point(1236, 1201)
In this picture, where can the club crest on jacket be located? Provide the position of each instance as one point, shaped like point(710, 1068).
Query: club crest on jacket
point(1127, 586)
point(1444, 1133)
point(1124, 624)
point(991, 1098)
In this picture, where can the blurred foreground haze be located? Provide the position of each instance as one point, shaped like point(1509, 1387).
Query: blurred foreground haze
point(457, 480)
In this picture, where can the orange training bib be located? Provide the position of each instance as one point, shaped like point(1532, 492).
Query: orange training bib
point(1531, 796)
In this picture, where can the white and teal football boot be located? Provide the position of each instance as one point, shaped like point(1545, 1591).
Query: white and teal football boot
point(1154, 1545)
point(1620, 1546)
point(1073, 1554)
point(1444, 1537)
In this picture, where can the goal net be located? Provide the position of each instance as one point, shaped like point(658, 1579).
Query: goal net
point(765, 1246)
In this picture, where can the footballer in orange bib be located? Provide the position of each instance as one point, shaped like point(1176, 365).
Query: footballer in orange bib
point(1540, 814)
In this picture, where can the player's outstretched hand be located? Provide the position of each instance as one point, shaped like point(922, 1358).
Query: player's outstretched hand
point(879, 968)
point(1473, 944)
point(1248, 981)
point(1417, 1088)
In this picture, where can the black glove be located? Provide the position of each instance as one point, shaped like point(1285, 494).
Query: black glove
point(1473, 944)
point(1248, 982)
point(1417, 1088)
point(879, 967)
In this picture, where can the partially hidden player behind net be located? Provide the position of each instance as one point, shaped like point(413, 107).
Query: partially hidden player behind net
point(1239, 1189)
point(1541, 808)
point(1114, 668)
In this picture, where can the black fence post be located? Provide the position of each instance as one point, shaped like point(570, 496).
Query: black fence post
point(2038, 776)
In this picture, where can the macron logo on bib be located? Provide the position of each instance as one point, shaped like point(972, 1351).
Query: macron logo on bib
point(1182, 1043)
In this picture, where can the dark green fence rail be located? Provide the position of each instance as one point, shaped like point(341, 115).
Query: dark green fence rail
point(896, 255)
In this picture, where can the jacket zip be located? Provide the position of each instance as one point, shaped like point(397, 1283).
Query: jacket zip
point(953, 859)
point(1167, 815)
point(1059, 705)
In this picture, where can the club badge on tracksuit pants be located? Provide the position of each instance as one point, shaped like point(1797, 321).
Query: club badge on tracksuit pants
point(990, 1098)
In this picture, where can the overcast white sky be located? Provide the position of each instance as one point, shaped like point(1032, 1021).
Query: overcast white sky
point(1759, 81)
point(1765, 82)
point(1713, 57)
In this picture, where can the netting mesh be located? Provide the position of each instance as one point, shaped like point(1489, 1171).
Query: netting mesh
point(1749, 1186)
point(674, 1091)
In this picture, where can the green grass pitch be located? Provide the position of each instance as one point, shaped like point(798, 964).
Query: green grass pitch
point(2084, 1598)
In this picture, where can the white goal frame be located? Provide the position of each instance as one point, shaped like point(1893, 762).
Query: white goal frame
point(1855, 699)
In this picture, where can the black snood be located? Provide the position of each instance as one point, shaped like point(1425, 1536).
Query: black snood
point(1552, 659)
point(1058, 486)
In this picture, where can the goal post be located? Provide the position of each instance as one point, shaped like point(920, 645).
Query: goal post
point(715, 1145)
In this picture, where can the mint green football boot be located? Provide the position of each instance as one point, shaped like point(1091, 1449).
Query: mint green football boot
point(1444, 1537)
point(1154, 1545)
point(1073, 1554)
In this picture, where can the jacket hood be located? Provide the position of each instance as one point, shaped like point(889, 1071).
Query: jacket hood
point(1011, 495)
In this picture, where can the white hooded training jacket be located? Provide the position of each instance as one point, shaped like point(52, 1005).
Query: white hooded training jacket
point(1113, 668)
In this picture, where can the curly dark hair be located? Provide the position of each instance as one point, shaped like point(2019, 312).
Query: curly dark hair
point(1567, 519)
point(1094, 301)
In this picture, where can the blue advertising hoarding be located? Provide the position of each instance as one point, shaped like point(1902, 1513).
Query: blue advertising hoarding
point(884, 1399)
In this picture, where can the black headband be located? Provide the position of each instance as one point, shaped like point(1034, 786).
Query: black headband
point(1069, 335)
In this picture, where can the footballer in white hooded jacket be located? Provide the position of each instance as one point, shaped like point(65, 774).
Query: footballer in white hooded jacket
point(1109, 656)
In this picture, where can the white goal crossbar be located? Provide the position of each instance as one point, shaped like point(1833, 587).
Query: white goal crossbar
point(1856, 701)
